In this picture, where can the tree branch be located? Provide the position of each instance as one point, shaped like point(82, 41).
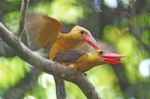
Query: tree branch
point(27, 83)
point(47, 66)
point(24, 6)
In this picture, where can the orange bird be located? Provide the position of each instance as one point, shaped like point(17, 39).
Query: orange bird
point(44, 31)
point(83, 61)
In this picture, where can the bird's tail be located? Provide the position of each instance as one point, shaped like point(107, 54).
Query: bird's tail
point(60, 88)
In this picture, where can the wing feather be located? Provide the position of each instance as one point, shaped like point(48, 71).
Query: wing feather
point(42, 30)
point(69, 56)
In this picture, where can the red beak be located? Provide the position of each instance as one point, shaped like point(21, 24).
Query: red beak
point(112, 58)
point(91, 41)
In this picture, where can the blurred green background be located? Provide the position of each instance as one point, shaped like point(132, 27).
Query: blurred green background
point(121, 26)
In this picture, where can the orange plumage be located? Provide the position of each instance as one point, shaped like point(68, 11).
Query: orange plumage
point(83, 61)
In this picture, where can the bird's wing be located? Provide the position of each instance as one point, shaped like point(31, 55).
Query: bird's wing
point(42, 30)
point(69, 56)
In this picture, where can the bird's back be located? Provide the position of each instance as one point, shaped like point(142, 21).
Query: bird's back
point(69, 56)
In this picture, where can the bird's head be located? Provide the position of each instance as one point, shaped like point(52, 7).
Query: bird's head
point(108, 58)
point(83, 34)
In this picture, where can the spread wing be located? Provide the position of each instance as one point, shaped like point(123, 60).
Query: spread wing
point(69, 56)
point(42, 30)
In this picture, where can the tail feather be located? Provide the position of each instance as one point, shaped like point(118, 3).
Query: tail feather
point(60, 88)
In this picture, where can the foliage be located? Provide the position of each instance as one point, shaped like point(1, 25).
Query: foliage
point(8, 67)
point(55, 9)
point(11, 20)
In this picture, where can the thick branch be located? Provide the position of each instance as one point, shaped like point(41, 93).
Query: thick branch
point(26, 84)
point(47, 65)
point(24, 6)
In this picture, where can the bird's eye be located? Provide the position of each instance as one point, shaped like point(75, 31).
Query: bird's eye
point(82, 32)
point(101, 52)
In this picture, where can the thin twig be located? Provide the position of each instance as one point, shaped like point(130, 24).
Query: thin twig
point(24, 7)
point(47, 65)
